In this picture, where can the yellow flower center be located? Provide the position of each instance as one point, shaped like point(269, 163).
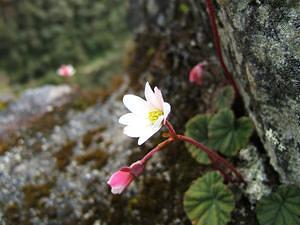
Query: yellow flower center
point(153, 115)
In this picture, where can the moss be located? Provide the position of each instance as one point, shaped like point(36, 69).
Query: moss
point(153, 186)
point(63, 156)
point(7, 141)
point(3, 105)
point(86, 98)
point(3, 148)
point(33, 194)
point(90, 135)
point(99, 157)
point(89, 97)
point(12, 214)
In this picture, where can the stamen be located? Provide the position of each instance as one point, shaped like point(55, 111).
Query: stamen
point(154, 115)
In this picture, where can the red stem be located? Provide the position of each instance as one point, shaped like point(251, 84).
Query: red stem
point(156, 149)
point(217, 43)
point(171, 129)
point(214, 157)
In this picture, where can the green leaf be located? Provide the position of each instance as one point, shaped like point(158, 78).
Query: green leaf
point(197, 128)
point(223, 98)
point(227, 134)
point(208, 201)
point(280, 208)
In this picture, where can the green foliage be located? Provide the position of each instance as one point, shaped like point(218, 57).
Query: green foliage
point(221, 132)
point(223, 98)
point(280, 208)
point(197, 128)
point(227, 134)
point(36, 36)
point(209, 201)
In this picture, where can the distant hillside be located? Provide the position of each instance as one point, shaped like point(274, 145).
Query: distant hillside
point(36, 36)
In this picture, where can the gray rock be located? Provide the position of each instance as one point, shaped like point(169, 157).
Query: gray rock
point(254, 174)
point(262, 46)
point(6, 98)
point(32, 104)
point(50, 174)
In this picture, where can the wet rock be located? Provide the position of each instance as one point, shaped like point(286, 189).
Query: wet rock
point(261, 42)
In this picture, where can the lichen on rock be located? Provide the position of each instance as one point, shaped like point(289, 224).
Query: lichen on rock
point(254, 173)
point(261, 45)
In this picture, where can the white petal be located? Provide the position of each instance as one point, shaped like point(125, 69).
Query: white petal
point(150, 132)
point(159, 98)
point(117, 190)
point(152, 98)
point(133, 131)
point(136, 105)
point(166, 110)
point(149, 94)
point(127, 119)
point(131, 119)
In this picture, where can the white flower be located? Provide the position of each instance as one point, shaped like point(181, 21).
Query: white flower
point(66, 70)
point(146, 117)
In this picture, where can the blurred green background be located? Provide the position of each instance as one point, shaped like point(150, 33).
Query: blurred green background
point(37, 36)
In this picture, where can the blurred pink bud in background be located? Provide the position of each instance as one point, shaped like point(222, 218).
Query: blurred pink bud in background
point(196, 74)
point(66, 70)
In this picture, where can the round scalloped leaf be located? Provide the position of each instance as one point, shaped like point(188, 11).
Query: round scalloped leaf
point(280, 208)
point(223, 98)
point(197, 128)
point(227, 134)
point(208, 201)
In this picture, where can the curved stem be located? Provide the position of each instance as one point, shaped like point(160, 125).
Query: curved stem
point(217, 43)
point(171, 129)
point(211, 154)
point(156, 149)
point(215, 158)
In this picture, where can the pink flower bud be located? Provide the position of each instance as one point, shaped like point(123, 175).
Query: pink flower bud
point(196, 74)
point(137, 168)
point(66, 71)
point(121, 179)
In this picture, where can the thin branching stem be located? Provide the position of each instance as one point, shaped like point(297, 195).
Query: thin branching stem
point(212, 155)
point(217, 43)
point(156, 149)
point(217, 160)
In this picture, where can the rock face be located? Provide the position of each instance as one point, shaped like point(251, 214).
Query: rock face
point(55, 177)
point(32, 104)
point(261, 43)
point(55, 170)
point(254, 174)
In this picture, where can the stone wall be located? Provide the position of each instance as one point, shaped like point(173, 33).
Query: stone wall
point(262, 46)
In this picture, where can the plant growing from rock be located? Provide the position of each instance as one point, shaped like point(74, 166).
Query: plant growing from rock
point(222, 132)
point(145, 119)
point(224, 98)
point(208, 200)
point(280, 208)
